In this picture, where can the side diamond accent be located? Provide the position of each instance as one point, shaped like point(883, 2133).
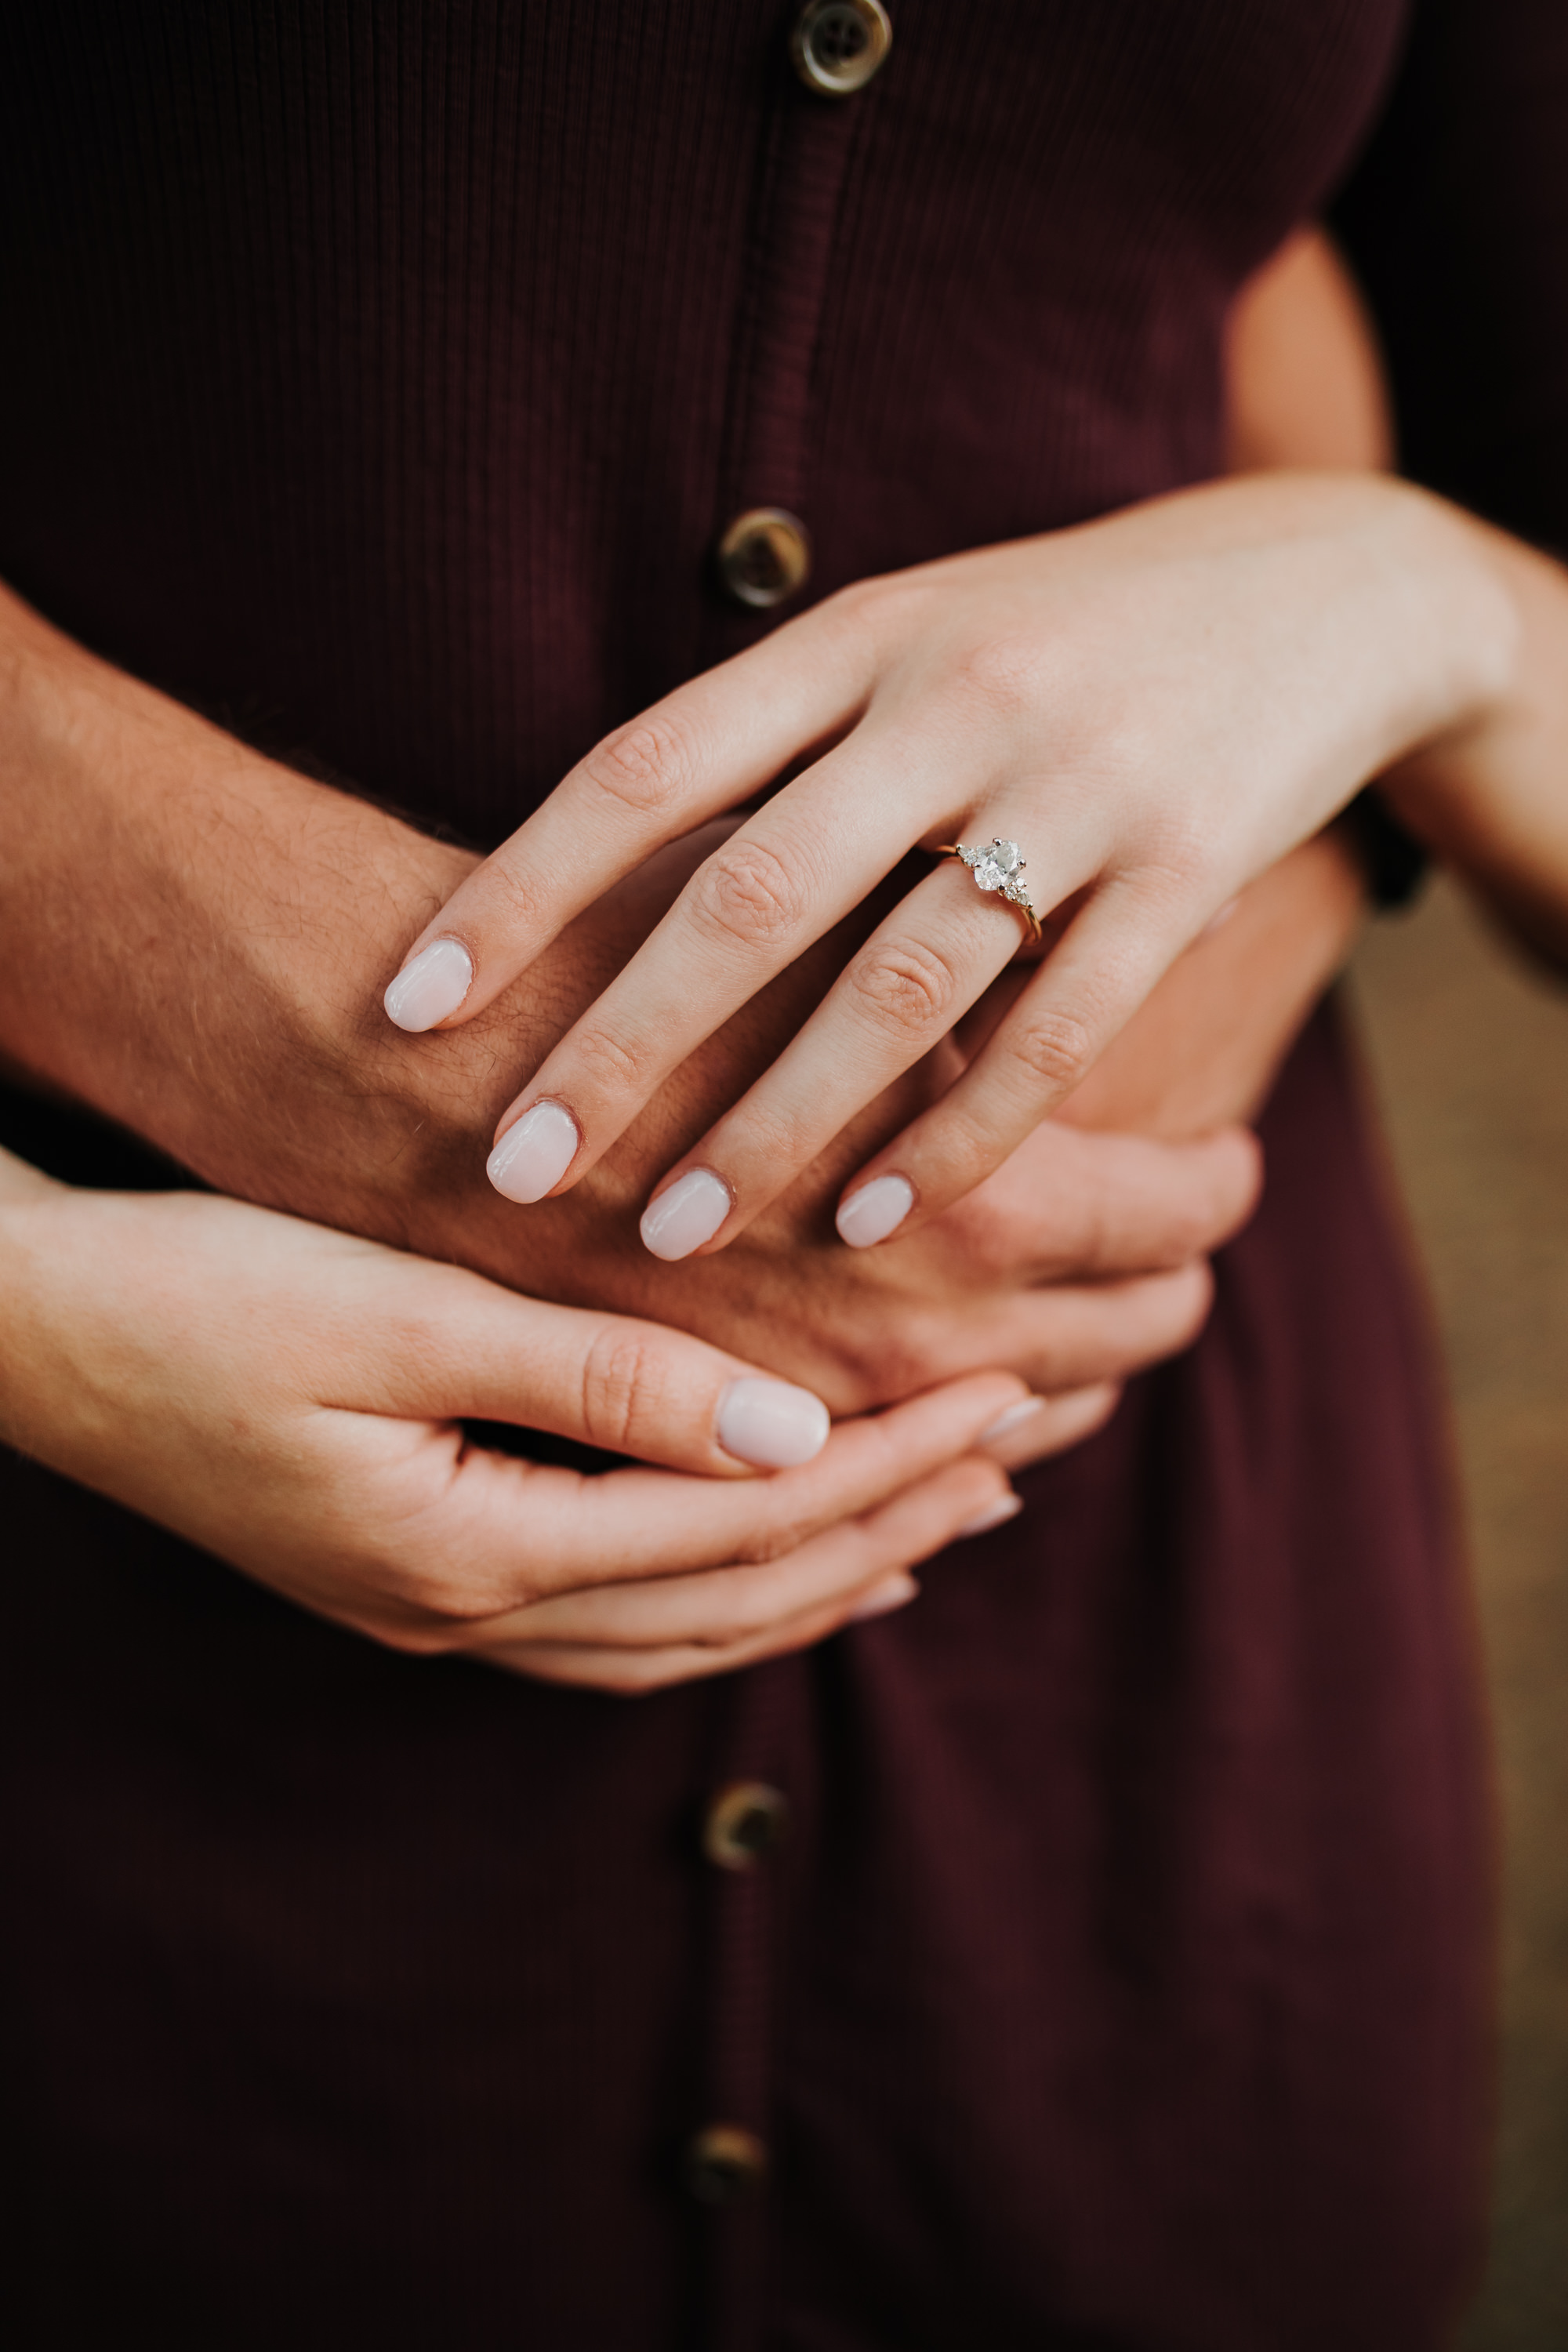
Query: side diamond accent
point(998, 867)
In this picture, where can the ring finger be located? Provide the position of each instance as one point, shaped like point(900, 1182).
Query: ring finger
point(755, 903)
point(916, 974)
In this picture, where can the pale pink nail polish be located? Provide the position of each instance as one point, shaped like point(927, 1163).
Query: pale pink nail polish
point(534, 1153)
point(893, 1594)
point(995, 1515)
point(1026, 1408)
point(689, 1215)
point(771, 1423)
point(431, 987)
point(874, 1212)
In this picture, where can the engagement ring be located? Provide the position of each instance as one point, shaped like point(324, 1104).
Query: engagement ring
point(997, 867)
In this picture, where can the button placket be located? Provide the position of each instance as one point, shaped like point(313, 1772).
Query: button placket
point(742, 1839)
point(761, 563)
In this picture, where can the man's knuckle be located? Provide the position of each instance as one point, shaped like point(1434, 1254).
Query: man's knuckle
point(905, 1355)
point(987, 1234)
point(644, 767)
point(905, 987)
point(747, 894)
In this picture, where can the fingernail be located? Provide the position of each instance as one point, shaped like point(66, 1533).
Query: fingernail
point(432, 986)
point(893, 1594)
point(689, 1215)
point(871, 1214)
point(534, 1154)
point(995, 1515)
point(1010, 1419)
point(771, 1424)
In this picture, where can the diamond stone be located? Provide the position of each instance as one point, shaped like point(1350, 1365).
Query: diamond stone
point(993, 867)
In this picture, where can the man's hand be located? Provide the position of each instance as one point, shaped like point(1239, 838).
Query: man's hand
point(198, 942)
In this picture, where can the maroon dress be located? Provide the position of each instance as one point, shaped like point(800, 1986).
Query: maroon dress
point(381, 376)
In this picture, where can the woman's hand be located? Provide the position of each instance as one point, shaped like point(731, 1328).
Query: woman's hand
point(184, 958)
point(1155, 707)
point(288, 1398)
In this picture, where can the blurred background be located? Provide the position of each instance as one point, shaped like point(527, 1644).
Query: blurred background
point(1470, 1055)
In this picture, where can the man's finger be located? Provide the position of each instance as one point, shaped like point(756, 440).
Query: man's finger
point(1073, 1202)
point(880, 1549)
point(501, 1533)
point(1048, 1425)
point(724, 1608)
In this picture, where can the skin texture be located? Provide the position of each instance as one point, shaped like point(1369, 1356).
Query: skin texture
point(1295, 635)
point(189, 958)
point(198, 942)
point(346, 1482)
point(1301, 362)
point(225, 1004)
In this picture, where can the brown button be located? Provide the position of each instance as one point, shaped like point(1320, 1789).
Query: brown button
point(745, 1822)
point(724, 2162)
point(765, 556)
point(837, 44)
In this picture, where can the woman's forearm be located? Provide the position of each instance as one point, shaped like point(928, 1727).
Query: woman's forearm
point(290, 1400)
point(1491, 799)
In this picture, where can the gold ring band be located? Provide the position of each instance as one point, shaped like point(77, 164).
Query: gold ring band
point(997, 867)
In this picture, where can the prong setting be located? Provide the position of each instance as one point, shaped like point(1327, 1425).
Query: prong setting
point(998, 867)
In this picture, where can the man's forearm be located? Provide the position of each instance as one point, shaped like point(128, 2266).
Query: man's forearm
point(195, 934)
point(198, 943)
point(198, 940)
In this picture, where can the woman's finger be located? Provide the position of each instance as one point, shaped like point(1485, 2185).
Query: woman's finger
point(634, 1673)
point(1109, 959)
point(704, 748)
point(759, 900)
point(434, 1341)
point(496, 1534)
point(864, 1566)
point(897, 998)
point(724, 1607)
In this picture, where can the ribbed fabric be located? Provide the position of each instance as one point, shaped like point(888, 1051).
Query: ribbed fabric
point(389, 372)
point(378, 377)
